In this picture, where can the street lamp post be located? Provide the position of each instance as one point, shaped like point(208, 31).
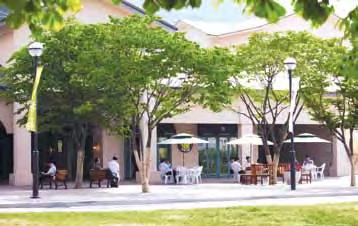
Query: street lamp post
point(35, 50)
point(290, 65)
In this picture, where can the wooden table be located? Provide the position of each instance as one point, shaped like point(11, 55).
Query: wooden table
point(249, 178)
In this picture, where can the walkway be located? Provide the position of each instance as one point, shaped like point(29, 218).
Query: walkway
point(207, 195)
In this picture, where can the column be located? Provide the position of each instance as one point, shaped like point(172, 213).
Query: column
point(113, 145)
point(191, 159)
point(245, 148)
point(22, 153)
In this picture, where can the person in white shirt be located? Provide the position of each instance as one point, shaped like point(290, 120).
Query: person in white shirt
point(308, 164)
point(49, 175)
point(165, 168)
point(247, 163)
point(113, 167)
point(236, 168)
point(51, 171)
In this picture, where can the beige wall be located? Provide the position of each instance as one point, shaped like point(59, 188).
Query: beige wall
point(113, 146)
point(22, 154)
point(6, 44)
point(6, 116)
point(246, 149)
point(319, 152)
point(288, 23)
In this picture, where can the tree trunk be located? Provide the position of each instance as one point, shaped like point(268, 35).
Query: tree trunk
point(79, 168)
point(276, 160)
point(268, 155)
point(353, 172)
point(145, 185)
point(143, 171)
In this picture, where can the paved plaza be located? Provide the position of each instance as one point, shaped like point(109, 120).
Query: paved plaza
point(206, 195)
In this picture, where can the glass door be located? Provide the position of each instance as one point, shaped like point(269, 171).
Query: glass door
point(224, 160)
point(208, 157)
point(216, 156)
point(227, 153)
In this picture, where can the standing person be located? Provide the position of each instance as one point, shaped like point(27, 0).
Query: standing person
point(247, 163)
point(113, 167)
point(236, 168)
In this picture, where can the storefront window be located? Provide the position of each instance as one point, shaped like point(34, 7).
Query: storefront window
point(164, 131)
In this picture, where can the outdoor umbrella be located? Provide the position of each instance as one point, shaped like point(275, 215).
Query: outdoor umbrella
point(251, 139)
point(184, 141)
point(307, 138)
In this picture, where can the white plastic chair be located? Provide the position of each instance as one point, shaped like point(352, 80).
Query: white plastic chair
point(181, 175)
point(195, 176)
point(320, 171)
point(163, 176)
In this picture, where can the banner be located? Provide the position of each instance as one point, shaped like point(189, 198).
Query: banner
point(31, 124)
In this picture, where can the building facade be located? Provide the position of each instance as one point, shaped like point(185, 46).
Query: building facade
point(217, 127)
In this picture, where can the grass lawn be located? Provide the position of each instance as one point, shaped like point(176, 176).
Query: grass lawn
point(333, 214)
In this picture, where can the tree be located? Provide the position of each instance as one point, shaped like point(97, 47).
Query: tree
point(38, 14)
point(126, 76)
point(158, 75)
point(337, 109)
point(51, 16)
point(69, 100)
point(261, 61)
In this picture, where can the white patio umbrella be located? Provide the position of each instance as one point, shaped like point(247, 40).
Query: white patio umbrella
point(184, 138)
point(307, 138)
point(251, 139)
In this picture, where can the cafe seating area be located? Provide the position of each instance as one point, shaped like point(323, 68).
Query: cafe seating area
point(263, 174)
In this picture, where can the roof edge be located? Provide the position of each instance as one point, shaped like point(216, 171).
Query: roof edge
point(141, 11)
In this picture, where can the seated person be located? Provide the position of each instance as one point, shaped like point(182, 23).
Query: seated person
point(51, 172)
point(308, 164)
point(166, 169)
point(113, 168)
point(247, 163)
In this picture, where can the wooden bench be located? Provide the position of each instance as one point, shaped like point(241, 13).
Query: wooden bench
point(61, 176)
point(98, 175)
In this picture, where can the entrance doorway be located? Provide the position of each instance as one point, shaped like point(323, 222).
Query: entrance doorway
point(215, 157)
point(6, 155)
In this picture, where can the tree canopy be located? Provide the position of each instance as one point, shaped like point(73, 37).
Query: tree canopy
point(50, 14)
point(117, 75)
point(332, 99)
point(266, 99)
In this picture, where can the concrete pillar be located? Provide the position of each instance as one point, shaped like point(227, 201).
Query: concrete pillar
point(113, 146)
point(341, 161)
point(154, 149)
point(22, 153)
point(245, 148)
point(190, 159)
